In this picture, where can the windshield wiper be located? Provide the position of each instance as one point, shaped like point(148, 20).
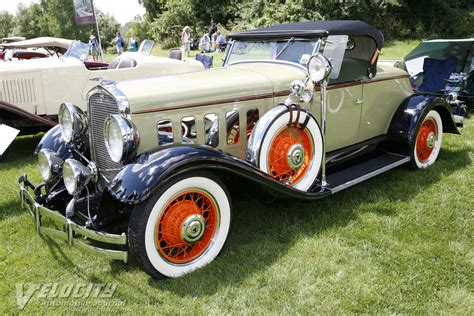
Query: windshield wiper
point(291, 40)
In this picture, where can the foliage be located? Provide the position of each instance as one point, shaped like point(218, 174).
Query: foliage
point(139, 27)
point(7, 22)
point(397, 19)
point(56, 18)
point(108, 26)
point(28, 21)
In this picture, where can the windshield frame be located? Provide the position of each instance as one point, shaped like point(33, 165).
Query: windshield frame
point(74, 48)
point(227, 61)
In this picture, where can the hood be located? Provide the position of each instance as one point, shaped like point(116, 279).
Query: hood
point(36, 64)
point(230, 84)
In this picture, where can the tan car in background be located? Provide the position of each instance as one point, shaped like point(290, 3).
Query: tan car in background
point(31, 91)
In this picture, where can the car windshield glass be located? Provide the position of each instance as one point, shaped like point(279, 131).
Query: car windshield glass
point(77, 50)
point(286, 49)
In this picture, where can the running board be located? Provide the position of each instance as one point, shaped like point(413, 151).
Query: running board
point(348, 177)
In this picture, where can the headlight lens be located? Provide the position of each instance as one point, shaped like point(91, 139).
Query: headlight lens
point(319, 68)
point(121, 137)
point(73, 122)
point(50, 165)
point(75, 175)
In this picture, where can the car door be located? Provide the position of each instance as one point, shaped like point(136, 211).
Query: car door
point(343, 115)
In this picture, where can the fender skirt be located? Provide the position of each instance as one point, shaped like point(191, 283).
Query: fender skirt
point(137, 181)
point(14, 110)
point(405, 122)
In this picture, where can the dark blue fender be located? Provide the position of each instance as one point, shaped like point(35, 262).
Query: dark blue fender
point(137, 181)
point(53, 140)
point(406, 121)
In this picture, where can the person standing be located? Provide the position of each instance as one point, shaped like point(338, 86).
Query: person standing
point(186, 40)
point(94, 47)
point(132, 44)
point(119, 43)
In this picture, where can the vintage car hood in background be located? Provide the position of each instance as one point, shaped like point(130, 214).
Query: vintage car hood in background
point(36, 64)
point(230, 84)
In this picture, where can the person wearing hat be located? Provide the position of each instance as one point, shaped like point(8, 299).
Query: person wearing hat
point(94, 47)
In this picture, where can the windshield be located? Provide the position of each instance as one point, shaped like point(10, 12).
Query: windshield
point(292, 50)
point(77, 50)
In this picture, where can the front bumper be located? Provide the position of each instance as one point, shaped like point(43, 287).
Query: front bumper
point(74, 234)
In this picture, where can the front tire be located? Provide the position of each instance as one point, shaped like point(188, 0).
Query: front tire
point(428, 141)
point(183, 227)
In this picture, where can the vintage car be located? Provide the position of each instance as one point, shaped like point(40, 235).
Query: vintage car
point(301, 110)
point(445, 67)
point(32, 90)
point(40, 47)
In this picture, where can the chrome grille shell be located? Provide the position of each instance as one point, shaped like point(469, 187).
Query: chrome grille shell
point(101, 103)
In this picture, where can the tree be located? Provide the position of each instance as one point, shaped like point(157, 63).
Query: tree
point(58, 20)
point(28, 21)
point(6, 24)
point(153, 7)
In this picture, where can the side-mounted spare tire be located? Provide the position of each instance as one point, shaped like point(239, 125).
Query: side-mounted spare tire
point(287, 144)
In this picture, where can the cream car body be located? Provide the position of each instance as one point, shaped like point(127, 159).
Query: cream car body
point(299, 110)
point(39, 86)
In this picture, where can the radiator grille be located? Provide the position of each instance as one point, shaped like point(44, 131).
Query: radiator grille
point(101, 105)
point(18, 90)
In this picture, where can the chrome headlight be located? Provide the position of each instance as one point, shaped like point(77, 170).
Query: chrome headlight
point(73, 122)
point(319, 68)
point(121, 137)
point(75, 175)
point(50, 165)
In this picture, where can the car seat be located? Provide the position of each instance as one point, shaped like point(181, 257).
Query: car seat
point(435, 72)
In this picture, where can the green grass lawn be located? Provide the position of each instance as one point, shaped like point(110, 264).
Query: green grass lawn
point(399, 243)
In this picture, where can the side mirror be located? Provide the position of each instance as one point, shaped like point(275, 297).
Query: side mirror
point(319, 68)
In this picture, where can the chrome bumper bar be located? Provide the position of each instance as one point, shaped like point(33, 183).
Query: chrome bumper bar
point(72, 233)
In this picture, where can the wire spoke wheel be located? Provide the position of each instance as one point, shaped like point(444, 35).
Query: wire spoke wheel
point(186, 227)
point(290, 154)
point(428, 141)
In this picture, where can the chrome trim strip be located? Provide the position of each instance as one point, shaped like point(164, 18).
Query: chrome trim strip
point(283, 62)
point(370, 175)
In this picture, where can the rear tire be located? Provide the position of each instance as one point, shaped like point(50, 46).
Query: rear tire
point(427, 143)
point(182, 227)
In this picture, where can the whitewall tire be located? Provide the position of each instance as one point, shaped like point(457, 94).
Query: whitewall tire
point(428, 141)
point(183, 227)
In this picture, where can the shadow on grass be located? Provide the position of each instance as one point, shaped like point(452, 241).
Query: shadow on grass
point(262, 233)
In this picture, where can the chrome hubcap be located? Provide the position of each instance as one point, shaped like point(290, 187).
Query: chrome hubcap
point(193, 228)
point(296, 156)
point(430, 140)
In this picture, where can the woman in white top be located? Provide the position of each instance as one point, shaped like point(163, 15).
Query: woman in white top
point(186, 39)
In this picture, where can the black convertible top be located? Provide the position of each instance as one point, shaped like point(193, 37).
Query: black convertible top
point(313, 28)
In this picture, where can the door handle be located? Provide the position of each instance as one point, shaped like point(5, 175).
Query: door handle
point(359, 101)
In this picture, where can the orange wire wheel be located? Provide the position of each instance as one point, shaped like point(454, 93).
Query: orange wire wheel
point(187, 226)
point(290, 154)
point(426, 139)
